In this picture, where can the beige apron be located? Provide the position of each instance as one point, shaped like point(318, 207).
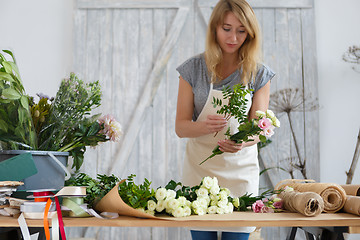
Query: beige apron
point(238, 172)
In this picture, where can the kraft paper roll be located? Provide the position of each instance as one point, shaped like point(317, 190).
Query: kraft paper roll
point(334, 195)
point(112, 202)
point(309, 204)
point(352, 205)
point(351, 189)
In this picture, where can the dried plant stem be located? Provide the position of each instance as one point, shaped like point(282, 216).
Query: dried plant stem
point(354, 162)
point(302, 163)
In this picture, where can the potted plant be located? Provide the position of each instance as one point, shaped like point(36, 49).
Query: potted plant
point(61, 125)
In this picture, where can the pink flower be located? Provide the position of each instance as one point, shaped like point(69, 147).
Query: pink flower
point(268, 132)
point(257, 206)
point(264, 123)
point(266, 209)
point(278, 204)
point(112, 128)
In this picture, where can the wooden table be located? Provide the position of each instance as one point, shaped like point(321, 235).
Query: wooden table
point(346, 222)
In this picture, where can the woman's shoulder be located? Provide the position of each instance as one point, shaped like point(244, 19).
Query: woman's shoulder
point(193, 61)
point(263, 75)
point(264, 69)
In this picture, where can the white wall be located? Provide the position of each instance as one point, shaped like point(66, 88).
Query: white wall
point(40, 34)
point(339, 87)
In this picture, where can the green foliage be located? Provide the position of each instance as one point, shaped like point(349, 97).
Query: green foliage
point(16, 128)
point(135, 195)
point(184, 191)
point(246, 200)
point(95, 188)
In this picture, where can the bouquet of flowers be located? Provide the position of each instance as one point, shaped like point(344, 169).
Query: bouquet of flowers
point(263, 126)
point(63, 123)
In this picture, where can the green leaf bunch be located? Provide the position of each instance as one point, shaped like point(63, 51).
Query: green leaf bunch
point(16, 127)
point(95, 188)
point(136, 195)
point(246, 200)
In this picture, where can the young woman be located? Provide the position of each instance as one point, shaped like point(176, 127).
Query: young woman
point(231, 57)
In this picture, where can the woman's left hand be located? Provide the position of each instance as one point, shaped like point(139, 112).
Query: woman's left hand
point(227, 145)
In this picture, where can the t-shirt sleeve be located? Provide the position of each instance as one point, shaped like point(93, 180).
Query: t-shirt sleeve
point(263, 76)
point(186, 71)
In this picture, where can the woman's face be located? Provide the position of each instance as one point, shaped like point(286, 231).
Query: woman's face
point(231, 34)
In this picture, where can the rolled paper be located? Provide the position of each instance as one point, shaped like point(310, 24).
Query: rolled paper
point(351, 189)
point(309, 204)
point(112, 202)
point(334, 195)
point(352, 205)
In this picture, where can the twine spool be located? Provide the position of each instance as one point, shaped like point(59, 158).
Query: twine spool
point(309, 204)
point(333, 195)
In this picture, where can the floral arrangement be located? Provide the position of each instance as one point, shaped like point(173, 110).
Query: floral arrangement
point(175, 199)
point(263, 126)
point(63, 123)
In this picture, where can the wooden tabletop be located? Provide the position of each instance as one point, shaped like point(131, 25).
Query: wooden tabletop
point(236, 219)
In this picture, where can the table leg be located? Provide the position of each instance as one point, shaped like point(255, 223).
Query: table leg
point(291, 235)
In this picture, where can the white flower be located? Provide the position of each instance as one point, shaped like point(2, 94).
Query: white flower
point(182, 200)
point(207, 182)
point(160, 206)
point(151, 205)
point(187, 211)
point(170, 194)
point(195, 204)
point(140, 209)
point(200, 211)
point(160, 194)
point(215, 189)
point(220, 210)
point(202, 192)
point(178, 212)
point(150, 212)
point(188, 203)
point(173, 203)
point(212, 209)
point(236, 202)
point(222, 203)
point(269, 131)
point(204, 201)
point(213, 202)
point(288, 189)
point(229, 208)
point(275, 122)
point(270, 114)
point(260, 114)
point(223, 195)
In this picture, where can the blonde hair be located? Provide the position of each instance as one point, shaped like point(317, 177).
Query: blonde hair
point(249, 52)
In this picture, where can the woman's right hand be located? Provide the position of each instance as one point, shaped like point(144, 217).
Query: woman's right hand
point(215, 123)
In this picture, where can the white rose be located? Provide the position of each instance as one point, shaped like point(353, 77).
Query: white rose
point(202, 192)
point(179, 212)
point(229, 208)
point(182, 200)
point(275, 122)
point(270, 114)
point(259, 114)
point(200, 211)
point(220, 210)
point(160, 206)
point(160, 194)
point(215, 181)
point(140, 209)
point(223, 195)
point(222, 203)
point(151, 205)
point(170, 194)
point(288, 189)
point(204, 201)
point(212, 209)
point(173, 204)
point(215, 189)
point(207, 182)
point(187, 211)
point(213, 202)
point(195, 204)
point(150, 212)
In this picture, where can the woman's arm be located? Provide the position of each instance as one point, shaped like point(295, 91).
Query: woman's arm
point(184, 126)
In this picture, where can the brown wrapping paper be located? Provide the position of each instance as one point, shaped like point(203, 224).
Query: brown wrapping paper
point(112, 202)
point(352, 205)
point(350, 189)
point(309, 204)
point(334, 195)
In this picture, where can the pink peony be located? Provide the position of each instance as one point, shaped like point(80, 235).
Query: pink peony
point(264, 123)
point(112, 128)
point(257, 206)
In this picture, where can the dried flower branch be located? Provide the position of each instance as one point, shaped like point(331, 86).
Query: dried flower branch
point(352, 56)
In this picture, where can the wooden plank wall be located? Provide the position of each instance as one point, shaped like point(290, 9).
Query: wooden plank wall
point(133, 47)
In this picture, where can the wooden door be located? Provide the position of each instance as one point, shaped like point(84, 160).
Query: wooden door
point(133, 48)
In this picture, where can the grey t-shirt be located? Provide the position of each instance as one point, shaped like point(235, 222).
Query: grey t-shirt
point(194, 71)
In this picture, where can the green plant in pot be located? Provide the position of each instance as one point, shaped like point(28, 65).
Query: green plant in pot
point(60, 124)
